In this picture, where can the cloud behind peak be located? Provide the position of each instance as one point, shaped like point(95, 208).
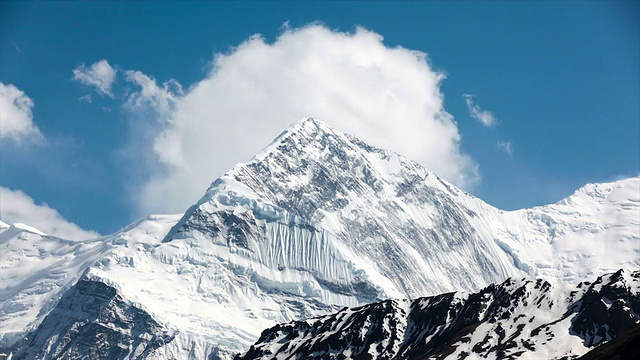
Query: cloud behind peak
point(387, 96)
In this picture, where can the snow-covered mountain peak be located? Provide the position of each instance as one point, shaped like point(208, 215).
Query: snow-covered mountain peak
point(18, 231)
point(396, 217)
point(19, 227)
point(317, 221)
point(314, 163)
point(308, 128)
point(624, 192)
point(309, 142)
point(384, 214)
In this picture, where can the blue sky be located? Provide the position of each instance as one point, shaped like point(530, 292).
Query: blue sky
point(560, 79)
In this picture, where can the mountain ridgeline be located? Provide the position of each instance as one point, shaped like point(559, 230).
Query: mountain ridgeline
point(317, 222)
point(526, 318)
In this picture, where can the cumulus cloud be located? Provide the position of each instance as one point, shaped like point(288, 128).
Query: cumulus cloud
point(388, 96)
point(18, 207)
point(506, 147)
point(99, 75)
point(484, 117)
point(16, 117)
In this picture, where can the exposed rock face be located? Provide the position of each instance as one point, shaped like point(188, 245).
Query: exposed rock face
point(515, 319)
point(625, 346)
point(609, 308)
point(92, 321)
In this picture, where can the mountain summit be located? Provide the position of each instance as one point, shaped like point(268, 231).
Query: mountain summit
point(385, 222)
point(316, 222)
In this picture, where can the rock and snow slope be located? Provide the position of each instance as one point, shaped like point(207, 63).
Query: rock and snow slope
point(317, 221)
point(527, 319)
point(93, 321)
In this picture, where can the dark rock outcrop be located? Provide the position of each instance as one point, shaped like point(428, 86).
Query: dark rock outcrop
point(93, 321)
point(498, 321)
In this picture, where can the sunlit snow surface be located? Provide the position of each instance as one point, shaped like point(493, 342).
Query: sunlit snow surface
point(317, 221)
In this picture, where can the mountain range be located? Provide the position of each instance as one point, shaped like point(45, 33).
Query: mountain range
point(524, 318)
point(317, 222)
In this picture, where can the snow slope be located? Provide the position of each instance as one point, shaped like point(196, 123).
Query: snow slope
point(317, 221)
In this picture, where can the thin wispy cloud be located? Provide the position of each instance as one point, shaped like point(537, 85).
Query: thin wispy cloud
point(16, 115)
point(86, 99)
point(484, 117)
point(506, 147)
point(100, 75)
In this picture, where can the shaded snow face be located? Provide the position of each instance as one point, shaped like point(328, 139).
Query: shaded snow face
point(529, 319)
point(317, 222)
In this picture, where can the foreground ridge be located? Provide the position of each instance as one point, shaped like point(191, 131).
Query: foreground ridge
point(514, 319)
point(625, 346)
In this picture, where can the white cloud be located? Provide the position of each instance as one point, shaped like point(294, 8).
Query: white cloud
point(16, 118)
point(390, 97)
point(16, 206)
point(100, 75)
point(506, 147)
point(486, 118)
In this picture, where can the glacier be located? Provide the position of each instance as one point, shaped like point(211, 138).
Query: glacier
point(317, 221)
